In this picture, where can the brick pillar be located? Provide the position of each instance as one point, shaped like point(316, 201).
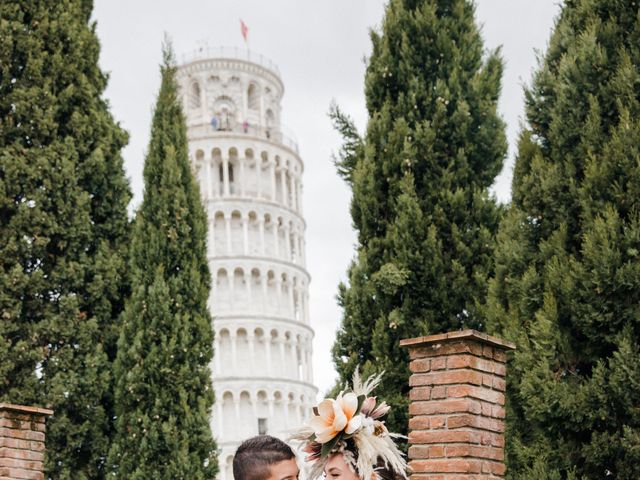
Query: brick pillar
point(456, 425)
point(22, 442)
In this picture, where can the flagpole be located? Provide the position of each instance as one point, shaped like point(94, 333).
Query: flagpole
point(244, 31)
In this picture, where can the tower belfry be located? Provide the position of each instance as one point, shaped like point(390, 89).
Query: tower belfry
point(250, 176)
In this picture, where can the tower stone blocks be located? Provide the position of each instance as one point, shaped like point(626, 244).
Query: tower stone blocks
point(250, 176)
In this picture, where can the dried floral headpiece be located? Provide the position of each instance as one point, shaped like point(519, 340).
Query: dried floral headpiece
point(350, 424)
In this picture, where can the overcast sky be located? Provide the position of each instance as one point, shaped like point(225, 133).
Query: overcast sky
point(319, 47)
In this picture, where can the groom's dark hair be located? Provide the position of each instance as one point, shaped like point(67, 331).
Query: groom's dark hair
point(255, 455)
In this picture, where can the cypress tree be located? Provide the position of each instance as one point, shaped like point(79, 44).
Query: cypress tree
point(163, 382)
point(420, 178)
point(567, 281)
point(63, 228)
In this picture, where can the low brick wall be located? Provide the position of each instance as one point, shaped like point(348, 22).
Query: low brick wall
point(456, 425)
point(22, 436)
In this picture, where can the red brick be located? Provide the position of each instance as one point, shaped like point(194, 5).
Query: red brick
point(438, 393)
point(27, 465)
point(23, 417)
point(487, 351)
point(498, 412)
point(446, 377)
point(476, 421)
point(420, 423)
point(434, 407)
point(436, 451)
point(21, 474)
point(420, 365)
point(420, 393)
point(497, 468)
point(21, 434)
point(6, 452)
point(471, 361)
point(441, 349)
point(448, 465)
point(438, 363)
point(420, 452)
point(461, 391)
point(22, 424)
point(500, 356)
point(500, 369)
point(23, 444)
point(484, 452)
point(446, 436)
point(438, 421)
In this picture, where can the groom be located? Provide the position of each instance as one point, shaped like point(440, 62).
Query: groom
point(265, 458)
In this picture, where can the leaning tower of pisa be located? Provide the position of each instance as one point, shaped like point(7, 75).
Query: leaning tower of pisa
point(250, 175)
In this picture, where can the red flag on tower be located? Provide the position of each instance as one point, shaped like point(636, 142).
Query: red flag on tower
point(244, 30)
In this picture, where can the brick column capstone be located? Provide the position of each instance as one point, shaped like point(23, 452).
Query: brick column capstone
point(22, 435)
point(456, 424)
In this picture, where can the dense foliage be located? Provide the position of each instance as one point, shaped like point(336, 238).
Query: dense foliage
point(63, 229)
point(420, 178)
point(163, 383)
point(567, 283)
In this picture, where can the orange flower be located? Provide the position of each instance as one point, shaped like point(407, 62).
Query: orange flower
point(335, 416)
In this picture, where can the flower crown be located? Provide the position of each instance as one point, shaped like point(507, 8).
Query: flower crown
point(350, 424)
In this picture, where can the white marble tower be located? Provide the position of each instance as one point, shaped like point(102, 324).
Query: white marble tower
point(250, 176)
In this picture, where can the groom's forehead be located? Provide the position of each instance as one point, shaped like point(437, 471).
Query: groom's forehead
point(284, 470)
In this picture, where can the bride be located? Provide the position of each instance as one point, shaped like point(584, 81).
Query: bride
point(347, 440)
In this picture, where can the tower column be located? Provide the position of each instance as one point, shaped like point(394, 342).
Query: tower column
point(272, 178)
point(283, 360)
point(309, 361)
point(261, 233)
point(234, 349)
point(236, 404)
point(296, 405)
point(215, 174)
point(295, 253)
point(276, 235)
point(271, 411)
point(220, 419)
point(227, 227)
point(306, 306)
point(207, 179)
point(216, 354)
point(254, 407)
point(268, 341)
point(258, 179)
point(211, 237)
point(291, 298)
point(283, 186)
point(242, 180)
point(252, 350)
point(292, 192)
point(225, 176)
point(245, 233)
point(263, 283)
point(232, 289)
point(287, 242)
point(278, 294)
point(303, 252)
point(250, 289)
